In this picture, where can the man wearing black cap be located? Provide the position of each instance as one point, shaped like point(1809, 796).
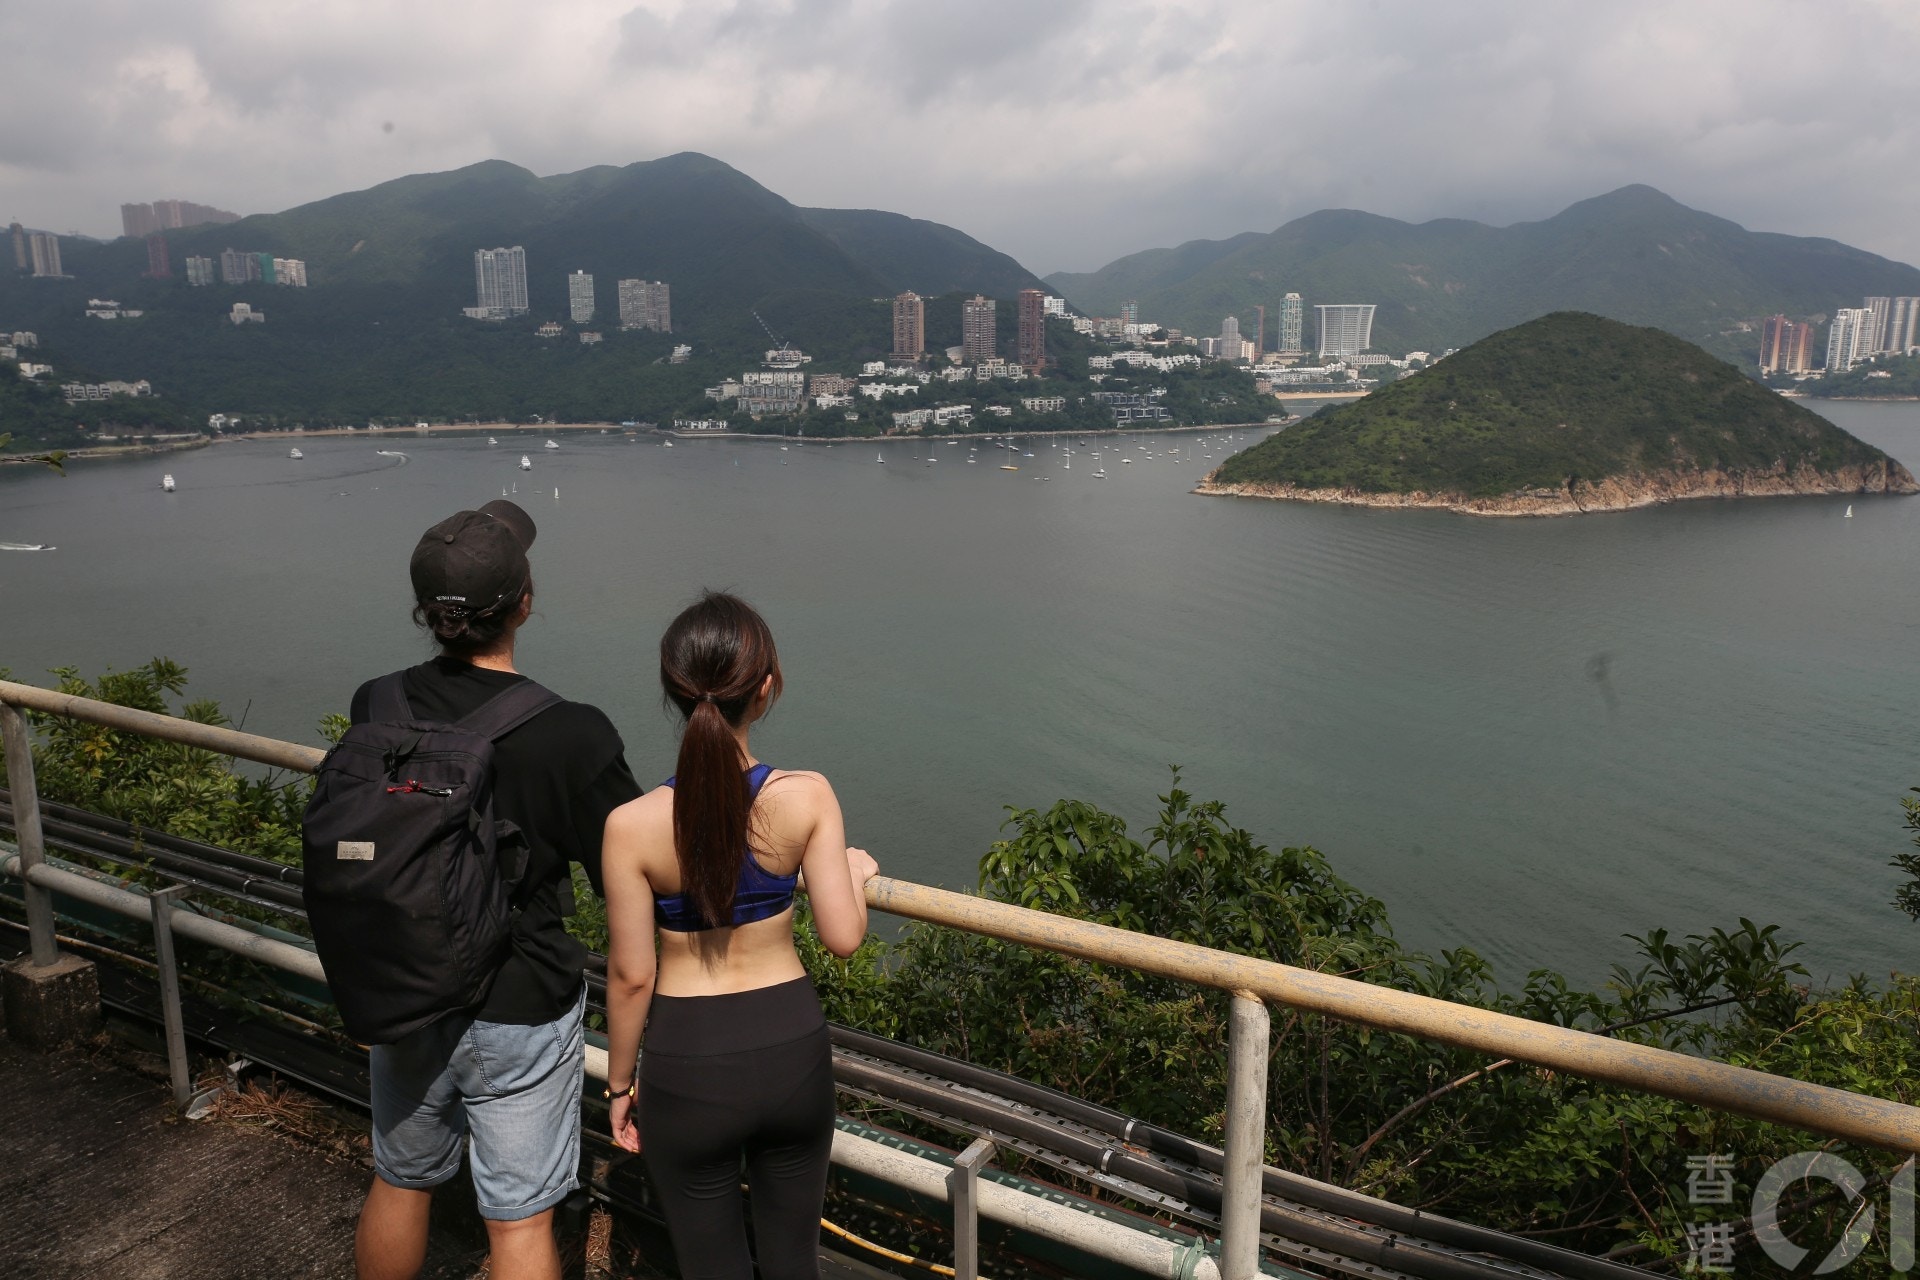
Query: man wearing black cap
point(509, 1073)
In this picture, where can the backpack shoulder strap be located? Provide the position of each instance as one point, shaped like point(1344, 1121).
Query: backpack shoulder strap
point(509, 709)
point(387, 699)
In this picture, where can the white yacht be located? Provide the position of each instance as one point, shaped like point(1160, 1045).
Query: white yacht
point(491, 440)
point(166, 482)
point(295, 454)
point(550, 445)
point(526, 463)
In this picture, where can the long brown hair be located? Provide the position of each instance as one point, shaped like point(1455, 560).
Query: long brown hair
point(713, 659)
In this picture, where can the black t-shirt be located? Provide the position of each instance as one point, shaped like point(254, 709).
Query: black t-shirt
point(557, 777)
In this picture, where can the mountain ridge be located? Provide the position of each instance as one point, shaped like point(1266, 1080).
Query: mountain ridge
point(1634, 254)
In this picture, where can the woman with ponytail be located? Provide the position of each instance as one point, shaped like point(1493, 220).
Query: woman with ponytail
point(738, 1065)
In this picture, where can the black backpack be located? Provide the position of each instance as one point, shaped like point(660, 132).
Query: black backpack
point(409, 878)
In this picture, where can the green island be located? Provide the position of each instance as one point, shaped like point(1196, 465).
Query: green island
point(1566, 414)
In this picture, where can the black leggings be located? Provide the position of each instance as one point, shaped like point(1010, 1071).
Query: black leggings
point(726, 1078)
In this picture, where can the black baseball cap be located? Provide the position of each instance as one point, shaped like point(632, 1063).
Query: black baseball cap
point(475, 559)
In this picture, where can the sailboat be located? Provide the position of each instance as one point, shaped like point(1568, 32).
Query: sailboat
point(166, 482)
point(526, 463)
point(877, 458)
point(1849, 511)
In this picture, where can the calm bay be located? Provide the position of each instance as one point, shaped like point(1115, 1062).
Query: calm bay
point(1526, 736)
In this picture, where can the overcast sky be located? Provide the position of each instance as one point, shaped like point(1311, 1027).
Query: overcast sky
point(1065, 132)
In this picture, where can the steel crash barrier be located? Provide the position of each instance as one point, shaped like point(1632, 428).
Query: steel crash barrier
point(1253, 984)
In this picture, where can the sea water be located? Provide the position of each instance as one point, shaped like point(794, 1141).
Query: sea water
point(1526, 736)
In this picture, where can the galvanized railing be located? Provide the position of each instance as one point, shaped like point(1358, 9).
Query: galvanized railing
point(1252, 983)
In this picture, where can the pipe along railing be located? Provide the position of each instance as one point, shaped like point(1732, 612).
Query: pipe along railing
point(1253, 983)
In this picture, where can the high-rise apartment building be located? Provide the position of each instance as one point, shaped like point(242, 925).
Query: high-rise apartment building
point(977, 344)
point(1798, 348)
point(43, 248)
point(1030, 344)
point(1230, 345)
point(290, 271)
point(1786, 346)
point(1773, 339)
point(21, 261)
point(580, 297)
point(500, 282)
point(1873, 335)
point(199, 271)
point(1346, 328)
point(1846, 338)
point(159, 265)
point(909, 327)
point(1292, 322)
point(1130, 311)
point(645, 304)
point(1903, 329)
point(138, 220)
point(233, 267)
point(1259, 333)
point(262, 268)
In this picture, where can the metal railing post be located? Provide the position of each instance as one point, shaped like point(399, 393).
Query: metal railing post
point(26, 828)
point(1248, 1040)
point(160, 902)
point(964, 1193)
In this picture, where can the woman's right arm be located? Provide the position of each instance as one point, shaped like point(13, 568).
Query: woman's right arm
point(836, 876)
point(631, 963)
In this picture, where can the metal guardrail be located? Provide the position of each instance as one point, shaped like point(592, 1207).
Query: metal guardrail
point(1252, 982)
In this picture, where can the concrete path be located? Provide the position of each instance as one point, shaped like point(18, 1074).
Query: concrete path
point(99, 1180)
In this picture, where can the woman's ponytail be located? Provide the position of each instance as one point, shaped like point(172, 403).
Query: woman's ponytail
point(714, 659)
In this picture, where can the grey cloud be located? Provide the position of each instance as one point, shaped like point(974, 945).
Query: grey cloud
point(1065, 133)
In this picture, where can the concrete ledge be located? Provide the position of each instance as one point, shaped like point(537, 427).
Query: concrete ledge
point(52, 1006)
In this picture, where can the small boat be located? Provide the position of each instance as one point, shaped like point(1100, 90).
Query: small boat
point(295, 454)
point(24, 546)
point(491, 440)
point(550, 445)
point(877, 458)
point(166, 482)
point(1008, 466)
point(556, 493)
point(1849, 511)
point(1100, 474)
point(526, 463)
point(1128, 461)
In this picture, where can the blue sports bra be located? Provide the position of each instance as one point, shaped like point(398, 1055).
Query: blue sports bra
point(760, 893)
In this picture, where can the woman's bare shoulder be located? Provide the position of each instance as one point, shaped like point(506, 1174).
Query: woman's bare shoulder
point(641, 816)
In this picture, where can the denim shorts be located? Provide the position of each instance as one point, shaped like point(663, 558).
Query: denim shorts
point(514, 1089)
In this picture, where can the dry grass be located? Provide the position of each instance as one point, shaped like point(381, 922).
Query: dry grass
point(266, 1105)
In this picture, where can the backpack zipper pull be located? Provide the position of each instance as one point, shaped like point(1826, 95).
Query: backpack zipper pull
point(413, 786)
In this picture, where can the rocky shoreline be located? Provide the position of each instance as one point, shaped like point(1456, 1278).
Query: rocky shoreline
point(1621, 493)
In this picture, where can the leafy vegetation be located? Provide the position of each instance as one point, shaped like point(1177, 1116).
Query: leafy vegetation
point(1585, 1165)
point(1560, 1158)
point(1890, 376)
point(1634, 255)
point(1546, 404)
